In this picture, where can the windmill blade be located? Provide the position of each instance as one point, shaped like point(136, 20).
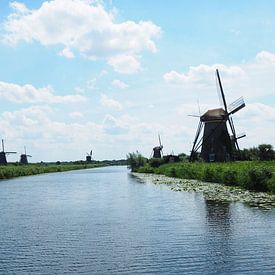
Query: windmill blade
point(241, 135)
point(8, 153)
point(195, 141)
point(3, 148)
point(236, 105)
point(194, 115)
point(160, 142)
point(29, 156)
point(199, 107)
point(220, 90)
point(91, 153)
point(234, 133)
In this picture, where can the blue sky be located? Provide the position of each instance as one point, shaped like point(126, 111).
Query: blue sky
point(77, 75)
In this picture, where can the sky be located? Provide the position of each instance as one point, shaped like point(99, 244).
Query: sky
point(109, 76)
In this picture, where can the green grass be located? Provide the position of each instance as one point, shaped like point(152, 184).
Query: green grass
point(12, 171)
point(250, 175)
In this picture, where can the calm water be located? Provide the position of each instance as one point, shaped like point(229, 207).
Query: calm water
point(103, 221)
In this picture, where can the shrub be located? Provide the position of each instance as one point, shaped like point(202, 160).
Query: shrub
point(256, 179)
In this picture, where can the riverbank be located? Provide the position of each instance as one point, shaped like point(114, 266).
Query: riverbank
point(13, 171)
point(212, 191)
point(250, 175)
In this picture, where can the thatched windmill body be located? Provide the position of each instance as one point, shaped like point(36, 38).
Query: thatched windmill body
point(3, 158)
point(89, 156)
point(24, 157)
point(157, 151)
point(216, 143)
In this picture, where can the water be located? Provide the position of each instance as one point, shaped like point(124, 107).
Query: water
point(103, 221)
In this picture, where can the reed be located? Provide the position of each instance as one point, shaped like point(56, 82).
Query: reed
point(251, 175)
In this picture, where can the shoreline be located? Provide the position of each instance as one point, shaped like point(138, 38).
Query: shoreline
point(212, 191)
point(14, 171)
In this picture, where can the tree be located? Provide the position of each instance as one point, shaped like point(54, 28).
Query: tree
point(266, 152)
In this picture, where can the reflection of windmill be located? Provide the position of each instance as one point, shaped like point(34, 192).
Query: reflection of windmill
point(24, 157)
point(216, 144)
point(89, 156)
point(3, 159)
point(157, 151)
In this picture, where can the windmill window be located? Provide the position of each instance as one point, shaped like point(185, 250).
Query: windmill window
point(211, 157)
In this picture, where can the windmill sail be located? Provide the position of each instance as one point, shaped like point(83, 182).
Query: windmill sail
point(236, 105)
point(220, 90)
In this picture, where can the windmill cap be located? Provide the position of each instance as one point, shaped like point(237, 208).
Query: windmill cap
point(213, 114)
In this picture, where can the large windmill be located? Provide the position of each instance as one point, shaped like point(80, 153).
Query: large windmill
point(24, 157)
point(157, 151)
point(89, 156)
point(3, 159)
point(216, 143)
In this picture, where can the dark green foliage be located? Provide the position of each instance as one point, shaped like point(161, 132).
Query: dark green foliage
point(266, 152)
point(156, 162)
point(229, 177)
point(262, 152)
point(271, 184)
point(135, 161)
point(256, 179)
point(251, 175)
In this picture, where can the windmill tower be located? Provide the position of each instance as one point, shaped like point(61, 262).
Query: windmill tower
point(3, 159)
point(89, 156)
point(157, 151)
point(216, 143)
point(24, 157)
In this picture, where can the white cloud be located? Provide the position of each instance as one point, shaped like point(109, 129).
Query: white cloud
point(66, 52)
point(125, 64)
point(202, 74)
point(266, 57)
point(76, 115)
point(119, 84)
point(84, 26)
point(251, 79)
point(29, 94)
point(19, 7)
point(110, 103)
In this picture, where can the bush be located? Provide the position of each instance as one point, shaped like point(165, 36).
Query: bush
point(135, 161)
point(156, 162)
point(256, 179)
point(229, 177)
point(271, 184)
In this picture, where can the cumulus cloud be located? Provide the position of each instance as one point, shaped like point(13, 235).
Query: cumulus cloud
point(66, 52)
point(84, 26)
point(125, 64)
point(266, 57)
point(202, 74)
point(30, 94)
point(110, 103)
point(251, 79)
point(119, 84)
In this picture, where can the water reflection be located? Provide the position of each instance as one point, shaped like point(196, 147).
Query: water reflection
point(219, 233)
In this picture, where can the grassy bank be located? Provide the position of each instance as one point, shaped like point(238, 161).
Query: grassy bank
point(251, 175)
point(12, 171)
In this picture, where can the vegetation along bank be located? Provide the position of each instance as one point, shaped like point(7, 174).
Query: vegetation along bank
point(16, 170)
point(256, 176)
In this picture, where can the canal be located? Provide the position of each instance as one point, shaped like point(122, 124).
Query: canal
point(104, 221)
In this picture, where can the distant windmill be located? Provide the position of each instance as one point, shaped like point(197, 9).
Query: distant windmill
point(24, 157)
point(157, 151)
point(216, 144)
point(3, 159)
point(89, 156)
